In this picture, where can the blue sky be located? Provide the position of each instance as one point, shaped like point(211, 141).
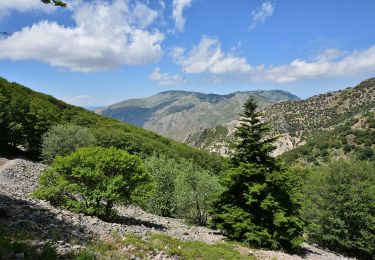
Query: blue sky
point(101, 52)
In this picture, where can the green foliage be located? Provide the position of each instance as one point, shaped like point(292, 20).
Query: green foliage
point(26, 115)
point(54, 2)
point(195, 191)
point(252, 146)
point(342, 141)
point(163, 173)
point(260, 204)
point(180, 189)
point(92, 180)
point(339, 206)
point(12, 243)
point(62, 140)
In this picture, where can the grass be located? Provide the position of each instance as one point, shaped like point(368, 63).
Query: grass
point(135, 246)
point(13, 243)
point(19, 243)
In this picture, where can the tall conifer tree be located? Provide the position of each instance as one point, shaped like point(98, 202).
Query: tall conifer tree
point(259, 205)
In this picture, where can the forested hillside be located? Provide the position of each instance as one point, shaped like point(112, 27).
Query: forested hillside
point(25, 115)
point(177, 114)
point(334, 125)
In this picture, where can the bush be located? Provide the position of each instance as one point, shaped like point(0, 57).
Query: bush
point(92, 180)
point(365, 154)
point(163, 172)
point(339, 207)
point(195, 191)
point(180, 189)
point(63, 140)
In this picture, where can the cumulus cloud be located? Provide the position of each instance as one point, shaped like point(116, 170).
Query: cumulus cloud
point(166, 78)
point(260, 16)
point(143, 15)
point(7, 6)
point(331, 62)
point(106, 35)
point(177, 13)
point(208, 56)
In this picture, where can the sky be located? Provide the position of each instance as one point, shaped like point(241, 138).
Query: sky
point(96, 53)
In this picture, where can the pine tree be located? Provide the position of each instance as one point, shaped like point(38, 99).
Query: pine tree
point(252, 146)
point(260, 204)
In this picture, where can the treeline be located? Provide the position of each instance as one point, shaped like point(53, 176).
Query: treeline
point(26, 115)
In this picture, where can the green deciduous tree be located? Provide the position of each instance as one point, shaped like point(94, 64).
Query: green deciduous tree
point(195, 190)
point(163, 172)
point(339, 206)
point(92, 180)
point(63, 140)
point(260, 204)
point(180, 189)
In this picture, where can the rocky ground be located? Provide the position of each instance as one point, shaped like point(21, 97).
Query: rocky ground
point(71, 231)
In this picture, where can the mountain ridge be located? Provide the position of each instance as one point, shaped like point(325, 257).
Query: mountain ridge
point(299, 121)
point(177, 113)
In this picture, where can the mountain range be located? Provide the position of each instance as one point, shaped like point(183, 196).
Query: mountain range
point(334, 124)
point(178, 114)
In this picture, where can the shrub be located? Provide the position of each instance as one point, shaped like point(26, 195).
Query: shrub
point(339, 207)
point(63, 140)
point(347, 148)
point(195, 191)
point(163, 172)
point(92, 180)
point(365, 153)
point(180, 189)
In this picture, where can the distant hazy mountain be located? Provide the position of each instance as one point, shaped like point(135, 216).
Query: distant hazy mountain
point(177, 114)
point(332, 125)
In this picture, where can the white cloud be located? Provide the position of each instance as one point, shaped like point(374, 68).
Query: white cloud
point(207, 56)
point(143, 15)
point(166, 78)
point(7, 6)
point(106, 35)
point(329, 63)
point(177, 13)
point(85, 101)
point(260, 16)
point(329, 55)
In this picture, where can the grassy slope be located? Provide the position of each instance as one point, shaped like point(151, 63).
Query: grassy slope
point(134, 139)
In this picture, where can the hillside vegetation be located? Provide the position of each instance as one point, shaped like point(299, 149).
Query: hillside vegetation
point(340, 123)
point(103, 179)
point(176, 114)
point(25, 115)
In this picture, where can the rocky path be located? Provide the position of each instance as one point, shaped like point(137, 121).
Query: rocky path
point(18, 179)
